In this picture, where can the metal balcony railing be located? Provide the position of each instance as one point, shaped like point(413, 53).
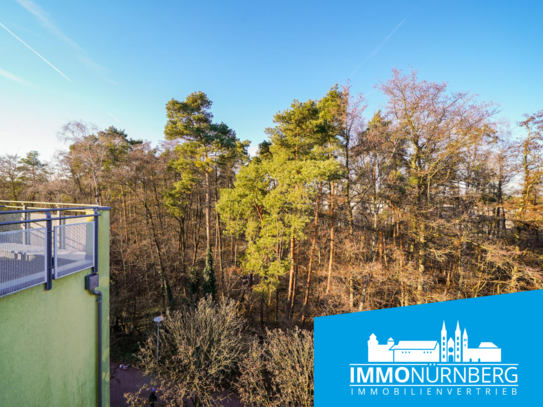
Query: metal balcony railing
point(22, 260)
point(74, 248)
point(40, 245)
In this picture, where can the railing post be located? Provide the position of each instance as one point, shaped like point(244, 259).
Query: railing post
point(61, 232)
point(49, 250)
point(26, 216)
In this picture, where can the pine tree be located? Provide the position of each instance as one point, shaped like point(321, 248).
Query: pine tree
point(274, 196)
point(209, 284)
point(194, 285)
point(205, 145)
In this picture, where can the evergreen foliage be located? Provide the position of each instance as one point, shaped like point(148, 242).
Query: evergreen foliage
point(209, 287)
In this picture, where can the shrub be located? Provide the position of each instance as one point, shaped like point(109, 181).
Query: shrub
point(278, 372)
point(200, 348)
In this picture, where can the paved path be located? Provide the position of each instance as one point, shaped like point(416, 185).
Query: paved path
point(126, 380)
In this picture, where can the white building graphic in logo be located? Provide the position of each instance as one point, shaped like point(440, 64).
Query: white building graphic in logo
point(448, 350)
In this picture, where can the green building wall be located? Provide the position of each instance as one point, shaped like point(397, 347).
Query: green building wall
point(48, 340)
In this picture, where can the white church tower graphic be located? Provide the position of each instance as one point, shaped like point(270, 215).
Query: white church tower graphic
point(457, 334)
point(444, 343)
point(447, 350)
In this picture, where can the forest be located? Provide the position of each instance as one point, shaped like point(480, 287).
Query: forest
point(434, 197)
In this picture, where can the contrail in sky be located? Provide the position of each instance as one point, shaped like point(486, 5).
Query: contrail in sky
point(114, 117)
point(45, 20)
point(35, 52)
point(378, 48)
point(14, 78)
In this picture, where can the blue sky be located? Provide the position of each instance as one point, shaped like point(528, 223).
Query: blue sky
point(121, 61)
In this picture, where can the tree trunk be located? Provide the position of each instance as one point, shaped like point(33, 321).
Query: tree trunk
point(219, 234)
point(219, 248)
point(161, 270)
point(208, 210)
point(125, 216)
point(295, 282)
point(332, 238)
point(348, 189)
point(311, 256)
point(291, 275)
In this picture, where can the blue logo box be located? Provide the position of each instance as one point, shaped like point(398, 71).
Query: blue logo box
point(481, 351)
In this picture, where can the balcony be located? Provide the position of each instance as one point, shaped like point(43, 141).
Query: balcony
point(39, 245)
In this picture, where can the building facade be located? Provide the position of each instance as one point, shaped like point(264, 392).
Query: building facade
point(54, 323)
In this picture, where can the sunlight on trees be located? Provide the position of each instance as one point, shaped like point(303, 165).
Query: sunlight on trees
point(431, 198)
